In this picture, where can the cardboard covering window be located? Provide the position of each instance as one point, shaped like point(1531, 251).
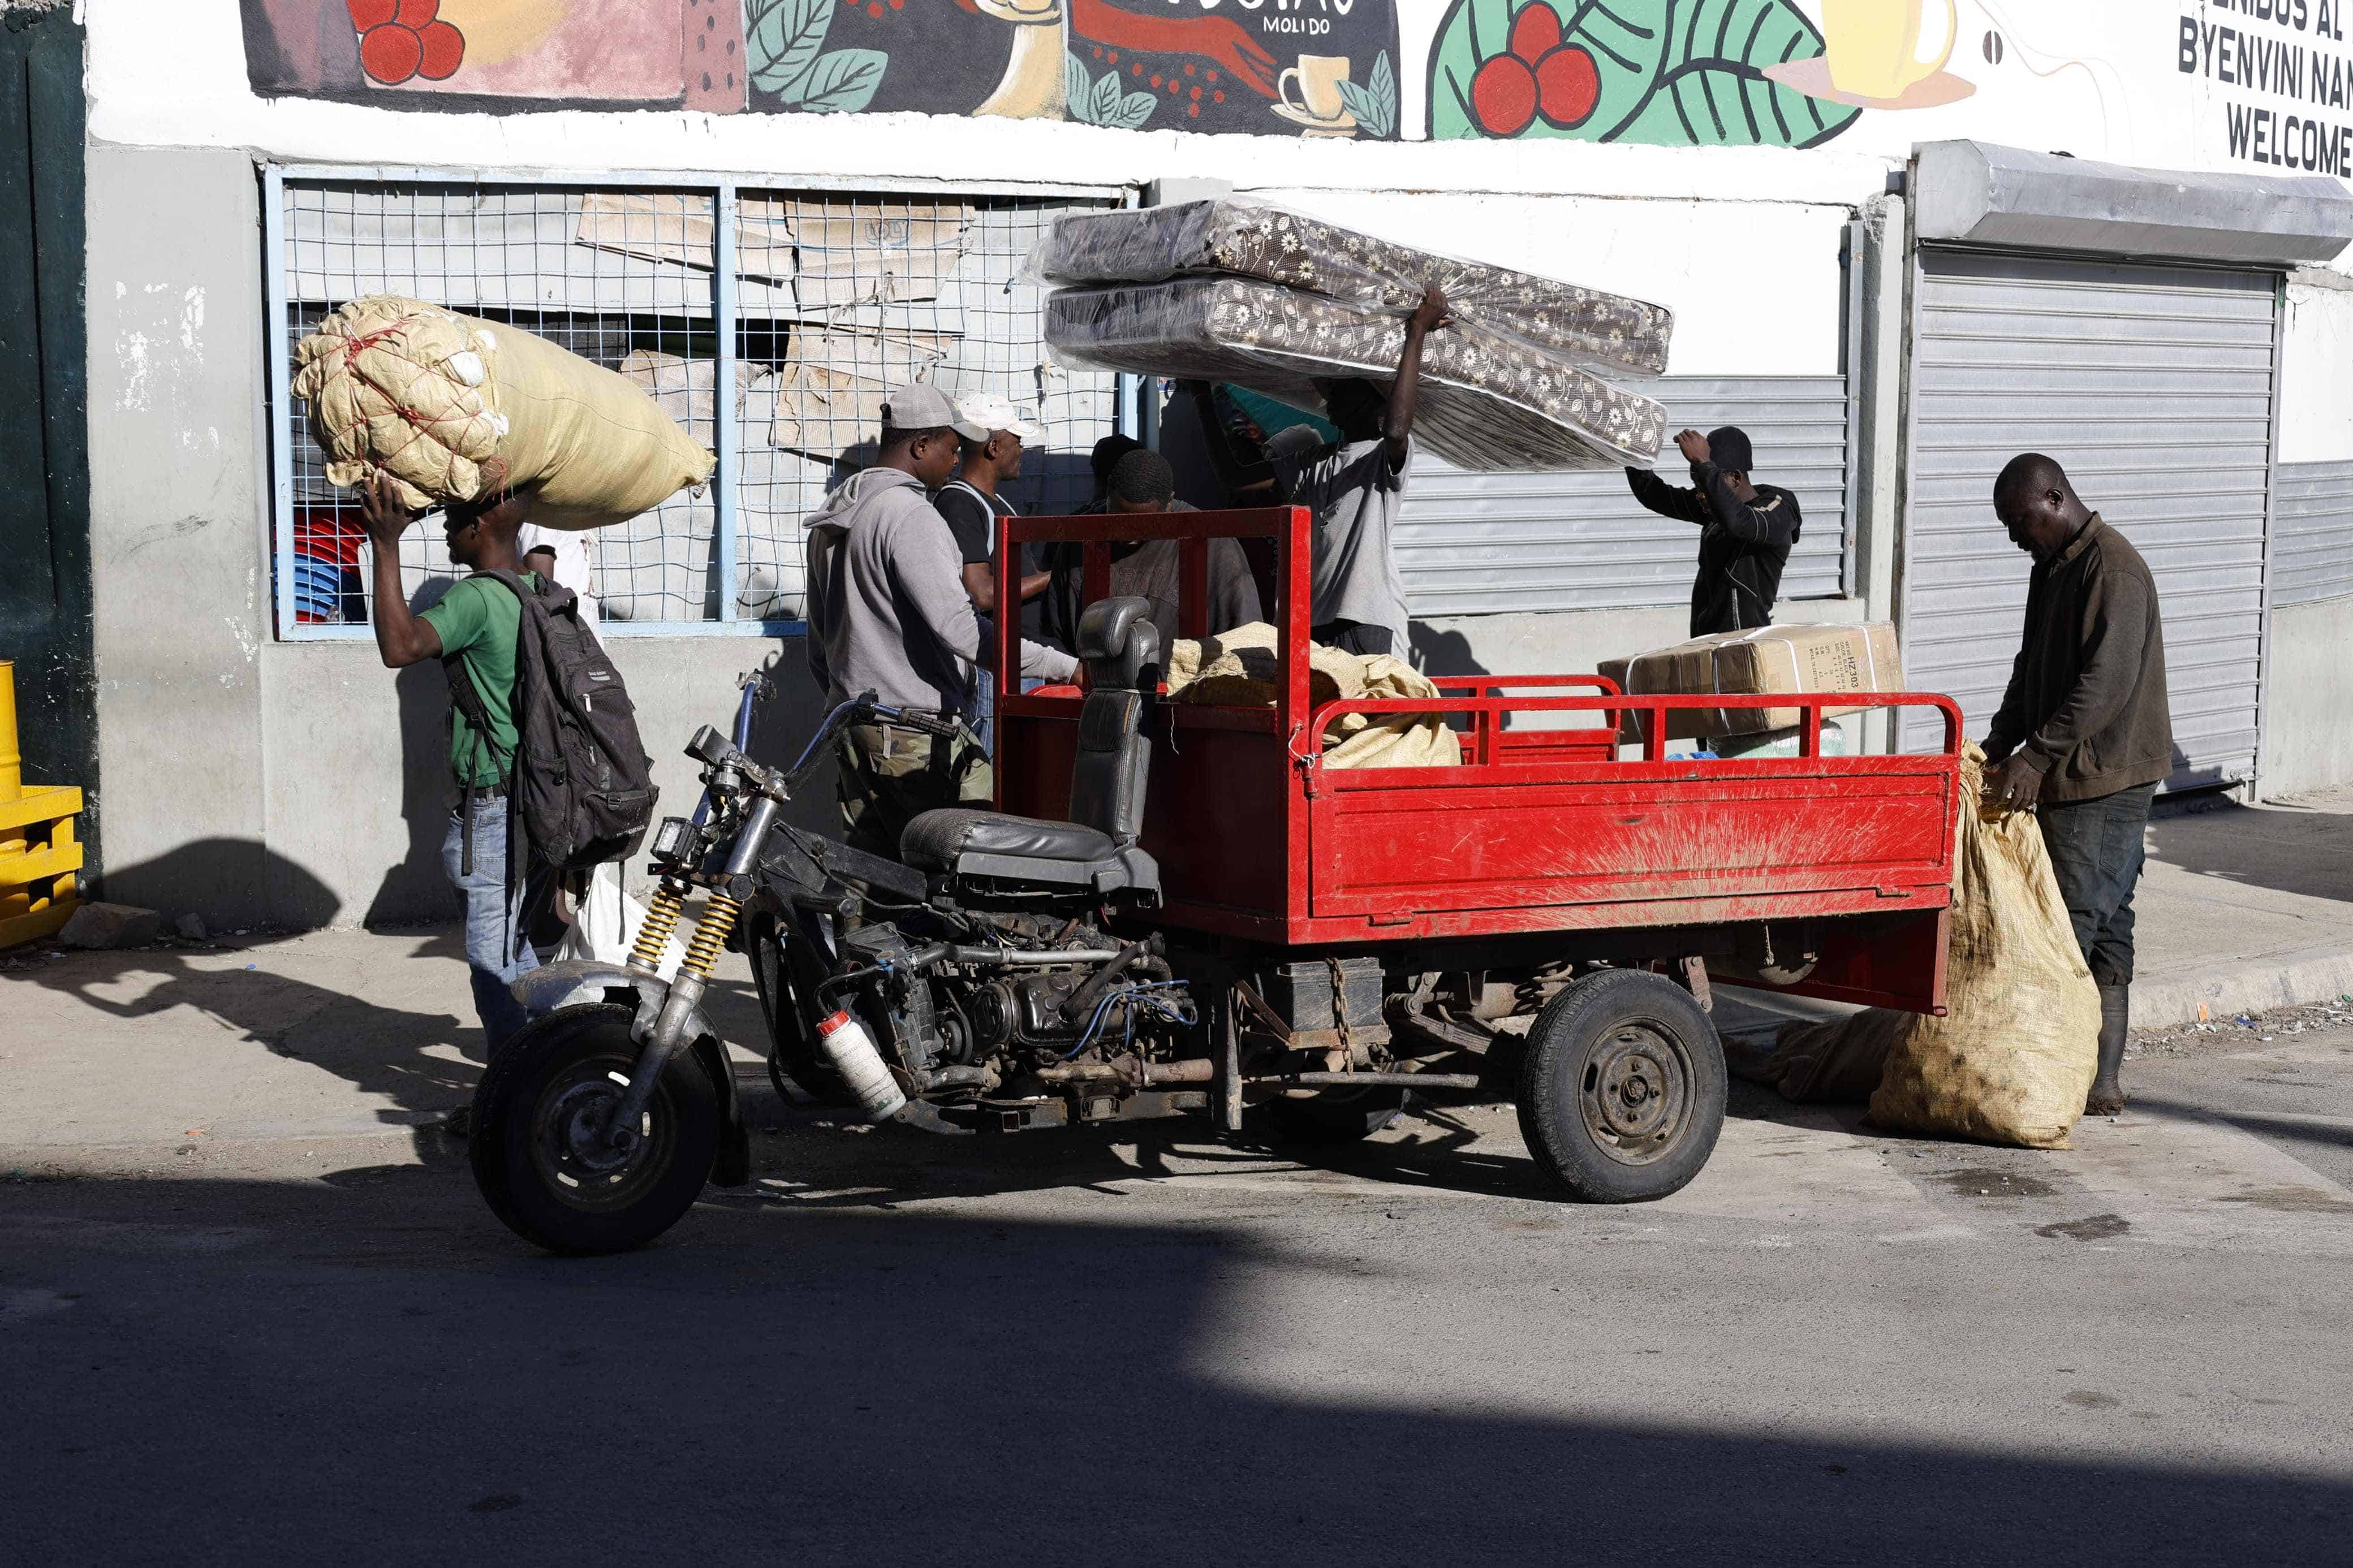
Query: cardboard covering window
point(839, 296)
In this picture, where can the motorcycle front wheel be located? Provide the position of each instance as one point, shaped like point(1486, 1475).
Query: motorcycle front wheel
point(540, 1153)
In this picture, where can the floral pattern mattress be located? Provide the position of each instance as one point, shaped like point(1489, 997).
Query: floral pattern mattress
point(1489, 401)
point(1274, 245)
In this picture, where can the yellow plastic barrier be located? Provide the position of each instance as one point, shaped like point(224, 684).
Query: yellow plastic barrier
point(38, 852)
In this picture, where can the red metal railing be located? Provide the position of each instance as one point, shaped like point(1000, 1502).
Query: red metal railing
point(1478, 696)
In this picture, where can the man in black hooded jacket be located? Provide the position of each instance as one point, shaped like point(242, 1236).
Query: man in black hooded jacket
point(1745, 530)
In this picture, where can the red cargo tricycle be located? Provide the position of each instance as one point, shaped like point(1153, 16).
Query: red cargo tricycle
point(1183, 908)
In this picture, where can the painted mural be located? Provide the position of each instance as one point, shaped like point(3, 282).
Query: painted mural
point(1667, 72)
point(1293, 67)
point(2255, 81)
point(1310, 68)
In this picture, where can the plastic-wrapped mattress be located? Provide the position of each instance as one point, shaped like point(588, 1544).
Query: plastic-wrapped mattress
point(1487, 402)
point(1249, 239)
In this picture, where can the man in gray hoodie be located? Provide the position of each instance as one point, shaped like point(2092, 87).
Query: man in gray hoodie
point(887, 612)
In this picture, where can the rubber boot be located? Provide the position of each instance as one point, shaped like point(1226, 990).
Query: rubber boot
point(2108, 1096)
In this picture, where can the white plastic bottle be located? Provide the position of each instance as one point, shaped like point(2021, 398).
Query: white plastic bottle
point(851, 1050)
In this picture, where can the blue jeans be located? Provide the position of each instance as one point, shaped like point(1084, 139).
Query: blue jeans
point(2096, 852)
point(498, 922)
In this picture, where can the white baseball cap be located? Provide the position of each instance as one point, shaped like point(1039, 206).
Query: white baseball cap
point(990, 411)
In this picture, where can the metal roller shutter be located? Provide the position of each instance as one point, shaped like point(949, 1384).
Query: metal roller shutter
point(2312, 548)
point(1484, 543)
point(2153, 385)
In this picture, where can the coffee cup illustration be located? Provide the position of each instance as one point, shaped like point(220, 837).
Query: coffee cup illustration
point(1878, 48)
point(1317, 80)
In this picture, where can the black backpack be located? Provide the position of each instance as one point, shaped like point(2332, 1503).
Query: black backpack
point(582, 782)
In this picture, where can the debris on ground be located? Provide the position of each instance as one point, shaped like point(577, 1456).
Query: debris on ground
point(2243, 1029)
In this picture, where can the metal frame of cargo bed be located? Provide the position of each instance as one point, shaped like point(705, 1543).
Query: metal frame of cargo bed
point(1540, 830)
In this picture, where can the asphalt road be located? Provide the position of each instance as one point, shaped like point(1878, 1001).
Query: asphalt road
point(1834, 1347)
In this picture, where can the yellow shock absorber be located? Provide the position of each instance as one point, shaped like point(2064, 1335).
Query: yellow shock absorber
point(710, 935)
point(661, 919)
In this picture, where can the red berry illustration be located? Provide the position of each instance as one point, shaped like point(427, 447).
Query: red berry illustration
point(1567, 86)
point(445, 48)
point(367, 13)
point(1536, 31)
point(1504, 96)
point(391, 53)
point(418, 14)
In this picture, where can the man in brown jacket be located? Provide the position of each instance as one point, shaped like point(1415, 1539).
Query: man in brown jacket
point(2084, 734)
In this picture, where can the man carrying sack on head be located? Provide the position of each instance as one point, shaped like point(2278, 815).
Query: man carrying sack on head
point(473, 631)
point(2084, 734)
point(887, 612)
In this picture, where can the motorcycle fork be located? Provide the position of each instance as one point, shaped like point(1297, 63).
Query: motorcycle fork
point(683, 1000)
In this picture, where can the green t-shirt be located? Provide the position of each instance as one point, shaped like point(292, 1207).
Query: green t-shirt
point(479, 620)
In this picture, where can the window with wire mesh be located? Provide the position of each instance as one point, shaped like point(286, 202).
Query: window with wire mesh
point(838, 298)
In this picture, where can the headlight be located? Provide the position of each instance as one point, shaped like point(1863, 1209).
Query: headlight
point(672, 838)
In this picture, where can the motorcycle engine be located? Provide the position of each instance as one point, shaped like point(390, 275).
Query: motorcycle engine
point(1027, 1010)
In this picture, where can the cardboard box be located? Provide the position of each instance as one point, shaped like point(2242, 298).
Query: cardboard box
point(1767, 661)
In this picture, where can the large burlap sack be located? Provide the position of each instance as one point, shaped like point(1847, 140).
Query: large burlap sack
point(453, 408)
point(2012, 1061)
point(1239, 668)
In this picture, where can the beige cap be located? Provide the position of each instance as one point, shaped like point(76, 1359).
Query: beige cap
point(919, 406)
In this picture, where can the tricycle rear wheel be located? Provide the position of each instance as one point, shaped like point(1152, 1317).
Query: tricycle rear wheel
point(1622, 1093)
point(537, 1157)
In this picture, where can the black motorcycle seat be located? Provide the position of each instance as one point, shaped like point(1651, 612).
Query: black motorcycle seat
point(933, 841)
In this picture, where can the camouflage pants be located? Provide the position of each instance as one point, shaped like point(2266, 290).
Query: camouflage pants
point(890, 777)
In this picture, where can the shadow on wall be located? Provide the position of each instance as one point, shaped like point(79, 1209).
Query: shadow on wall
point(416, 891)
point(244, 882)
point(1439, 653)
point(783, 720)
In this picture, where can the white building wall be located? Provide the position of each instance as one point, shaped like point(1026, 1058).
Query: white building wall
point(2317, 370)
point(300, 782)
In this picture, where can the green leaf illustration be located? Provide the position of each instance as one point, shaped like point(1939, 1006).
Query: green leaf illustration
point(1677, 73)
point(841, 82)
point(1104, 103)
point(1373, 104)
point(1134, 110)
point(783, 38)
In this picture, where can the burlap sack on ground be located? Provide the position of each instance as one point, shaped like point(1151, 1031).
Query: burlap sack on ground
point(453, 408)
point(1239, 669)
point(1815, 1064)
point(2014, 1058)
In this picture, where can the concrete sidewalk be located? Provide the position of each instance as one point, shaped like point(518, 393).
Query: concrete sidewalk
point(182, 1051)
point(2245, 908)
point(178, 1052)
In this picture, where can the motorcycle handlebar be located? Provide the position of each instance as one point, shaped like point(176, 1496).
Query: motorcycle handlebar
point(930, 723)
point(864, 705)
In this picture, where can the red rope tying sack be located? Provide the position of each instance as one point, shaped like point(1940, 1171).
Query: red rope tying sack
point(420, 423)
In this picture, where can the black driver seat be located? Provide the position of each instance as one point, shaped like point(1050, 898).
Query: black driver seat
point(1097, 850)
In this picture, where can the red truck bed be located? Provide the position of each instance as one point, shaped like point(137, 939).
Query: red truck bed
point(1542, 829)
